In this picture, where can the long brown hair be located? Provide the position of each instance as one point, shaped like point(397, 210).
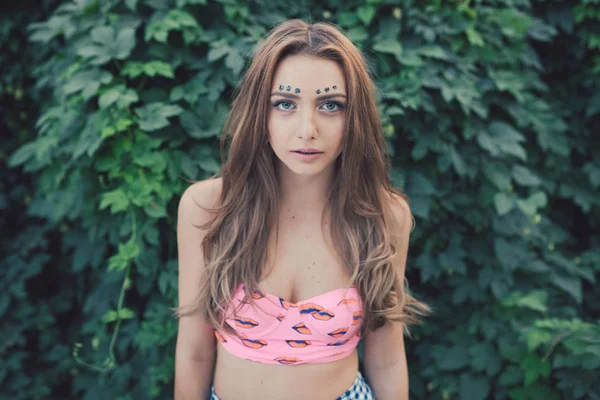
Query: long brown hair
point(358, 205)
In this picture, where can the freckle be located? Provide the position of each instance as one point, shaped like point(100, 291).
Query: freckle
point(307, 237)
point(293, 217)
point(313, 263)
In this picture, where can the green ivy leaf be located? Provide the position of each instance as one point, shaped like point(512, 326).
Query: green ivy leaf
point(366, 14)
point(23, 154)
point(87, 82)
point(534, 202)
point(116, 199)
point(178, 20)
point(570, 284)
point(106, 44)
point(218, 50)
point(182, 3)
point(524, 176)
point(126, 313)
point(192, 124)
point(474, 387)
point(474, 37)
point(124, 43)
point(156, 210)
point(536, 337)
point(347, 19)
point(151, 69)
point(389, 46)
point(113, 315)
point(536, 300)
point(420, 184)
point(457, 162)
point(234, 61)
point(510, 81)
point(109, 317)
point(455, 358)
point(581, 196)
point(56, 25)
point(534, 367)
point(132, 69)
point(504, 202)
point(435, 52)
point(154, 116)
point(110, 96)
point(502, 138)
point(161, 68)
point(497, 173)
point(593, 172)
point(357, 34)
point(125, 254)
point(511, 376)
point(484, 357)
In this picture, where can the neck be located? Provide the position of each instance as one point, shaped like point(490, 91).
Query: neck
point(304, 195)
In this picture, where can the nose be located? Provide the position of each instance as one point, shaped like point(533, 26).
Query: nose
point(308, 124)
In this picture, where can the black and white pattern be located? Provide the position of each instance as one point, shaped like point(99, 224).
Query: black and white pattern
point(360, 390)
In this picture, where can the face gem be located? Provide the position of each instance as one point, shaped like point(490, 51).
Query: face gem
point(318, 91)
point(326, 89)
point(297, 90)
point(280, 87)
point(334, 87)
point(288, 88)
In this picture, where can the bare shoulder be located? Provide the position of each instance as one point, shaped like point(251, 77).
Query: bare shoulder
point(195, 339)
point(401, 213)
point(200, 195)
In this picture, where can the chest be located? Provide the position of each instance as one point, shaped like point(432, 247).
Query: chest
point(302, 261)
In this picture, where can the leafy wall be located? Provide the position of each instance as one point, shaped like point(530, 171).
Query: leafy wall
point(491, 110)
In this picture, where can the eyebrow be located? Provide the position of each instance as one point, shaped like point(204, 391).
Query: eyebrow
point(295, 96)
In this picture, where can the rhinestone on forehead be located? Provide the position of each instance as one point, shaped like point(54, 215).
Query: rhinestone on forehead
point(334, 87)
point(297, 90)
point(280, 87)
point(326, 89)
point(288, 88)
point(318, 91)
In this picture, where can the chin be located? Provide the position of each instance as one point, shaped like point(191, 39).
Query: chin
point(307, 170)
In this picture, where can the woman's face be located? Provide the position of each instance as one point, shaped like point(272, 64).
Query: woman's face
point(308, 111)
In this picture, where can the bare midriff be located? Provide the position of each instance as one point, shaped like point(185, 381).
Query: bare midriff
point(239, 379)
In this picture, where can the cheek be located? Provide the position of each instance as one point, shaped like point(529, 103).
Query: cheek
point(273, 132)
point(276, 126)
point(337, 130)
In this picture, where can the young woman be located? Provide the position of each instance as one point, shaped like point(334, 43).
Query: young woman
point(297, 249)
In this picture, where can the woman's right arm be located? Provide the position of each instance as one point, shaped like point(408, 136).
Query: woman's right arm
point(195, 349)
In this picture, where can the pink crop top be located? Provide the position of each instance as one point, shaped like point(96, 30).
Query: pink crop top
point(321, 329)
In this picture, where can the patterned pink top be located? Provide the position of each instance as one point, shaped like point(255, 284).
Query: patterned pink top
point(321, 329)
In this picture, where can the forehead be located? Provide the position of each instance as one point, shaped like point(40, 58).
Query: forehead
point(308, 73)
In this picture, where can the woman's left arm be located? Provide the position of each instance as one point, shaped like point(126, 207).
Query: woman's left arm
point(384, 362)
point(384, 358)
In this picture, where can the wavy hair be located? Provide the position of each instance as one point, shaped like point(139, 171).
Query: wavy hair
point(358, 204)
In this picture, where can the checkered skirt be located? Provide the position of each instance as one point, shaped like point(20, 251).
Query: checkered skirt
point(360, 390)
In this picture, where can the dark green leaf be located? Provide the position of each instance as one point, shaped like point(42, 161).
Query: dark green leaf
point(153, 116)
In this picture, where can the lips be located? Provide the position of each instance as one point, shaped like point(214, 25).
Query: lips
point(307, 150)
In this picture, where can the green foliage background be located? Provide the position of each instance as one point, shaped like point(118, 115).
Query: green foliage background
point(491, 110)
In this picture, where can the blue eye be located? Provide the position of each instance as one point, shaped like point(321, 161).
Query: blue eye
point(282, 102)
point(326, 104)
point(335, 103)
